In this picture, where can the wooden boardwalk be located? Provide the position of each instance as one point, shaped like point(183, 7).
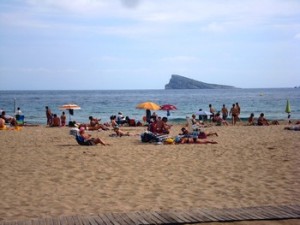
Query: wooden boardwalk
point(171, 216)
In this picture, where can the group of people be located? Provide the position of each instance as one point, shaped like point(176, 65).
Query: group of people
point(215, 116)
point(53, 120)
point(235, 112)
point(12, 121)
point(158, 124)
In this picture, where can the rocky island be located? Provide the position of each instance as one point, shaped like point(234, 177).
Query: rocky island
point(181, 82)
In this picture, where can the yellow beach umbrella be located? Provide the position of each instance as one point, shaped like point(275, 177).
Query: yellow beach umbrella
point(148, 105)
point(288, 107)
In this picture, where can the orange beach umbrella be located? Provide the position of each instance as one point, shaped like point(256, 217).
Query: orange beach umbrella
point(148, 105)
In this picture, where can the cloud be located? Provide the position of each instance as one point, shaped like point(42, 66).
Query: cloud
point(297, 36)
point(214, 27)
point(145, 16)
point(130, 3)
point(180, 59)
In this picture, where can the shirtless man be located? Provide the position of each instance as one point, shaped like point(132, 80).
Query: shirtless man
point(234, 114)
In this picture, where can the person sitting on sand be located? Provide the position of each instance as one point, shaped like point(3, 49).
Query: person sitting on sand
point(116, 127)
point(8, 119)
point(121, 119)
point(55, 121)
point(219, 121)
point(251, 120)
point(88, 138)
point(262, 121)
point(195, 122)
point(2, 124)
point(162, 127)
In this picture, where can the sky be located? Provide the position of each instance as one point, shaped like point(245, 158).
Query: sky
point(139, 44)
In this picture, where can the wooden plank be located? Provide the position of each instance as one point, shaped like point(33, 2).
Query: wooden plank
point(119, 219)
point(292, 211)
point(260, 213)
point(172, 216)
point(113, 219)
point(55, 221)
point(198, 215)
point(28, 222)
point(76, 220)
point(177, 217)
point(91, 220)
point(134, 218)
point(63, 220)
point(214, 214)
point(70, 220)
point(84, 220)
point(184, 216)
point(276, 212)
point(249, 213)
point(48, 221)
point(35, 222)
point(142, 218)
point(98, 220)
point(168, 217)
point(106, 219)
point(238, 214)
point(208, 216)
point(126, 218)
point(150, 217)
point(270, 212)
point(161, 218)
point(223, 214)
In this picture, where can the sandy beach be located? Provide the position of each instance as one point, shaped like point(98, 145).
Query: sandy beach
point(44, 172)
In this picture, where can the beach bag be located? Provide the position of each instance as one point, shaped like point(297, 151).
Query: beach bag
point(148, 137)
point(74, 131)
point(169, 141)
point(151, 137)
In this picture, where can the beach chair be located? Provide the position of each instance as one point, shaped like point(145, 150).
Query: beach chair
point(81, 141)
point(20, 120)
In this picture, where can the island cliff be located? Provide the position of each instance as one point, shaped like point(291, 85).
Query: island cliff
point(181, 82)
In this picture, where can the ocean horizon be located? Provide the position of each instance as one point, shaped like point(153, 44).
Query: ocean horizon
point(104, 103)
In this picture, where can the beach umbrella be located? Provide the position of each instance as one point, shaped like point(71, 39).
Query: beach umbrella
point(168, 108)
point(203, 113)
point(148, 105)
point(288, 107)
point(70, 108)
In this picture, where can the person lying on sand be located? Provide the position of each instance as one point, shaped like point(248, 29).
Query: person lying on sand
point(188, 140)
point(185, 137)
point(117, 129)
point(297, 128)
point(201, 133)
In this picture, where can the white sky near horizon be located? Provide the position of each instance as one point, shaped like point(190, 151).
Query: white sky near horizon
point(139, 44)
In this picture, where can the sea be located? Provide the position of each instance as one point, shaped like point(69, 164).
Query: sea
point(104, 103)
